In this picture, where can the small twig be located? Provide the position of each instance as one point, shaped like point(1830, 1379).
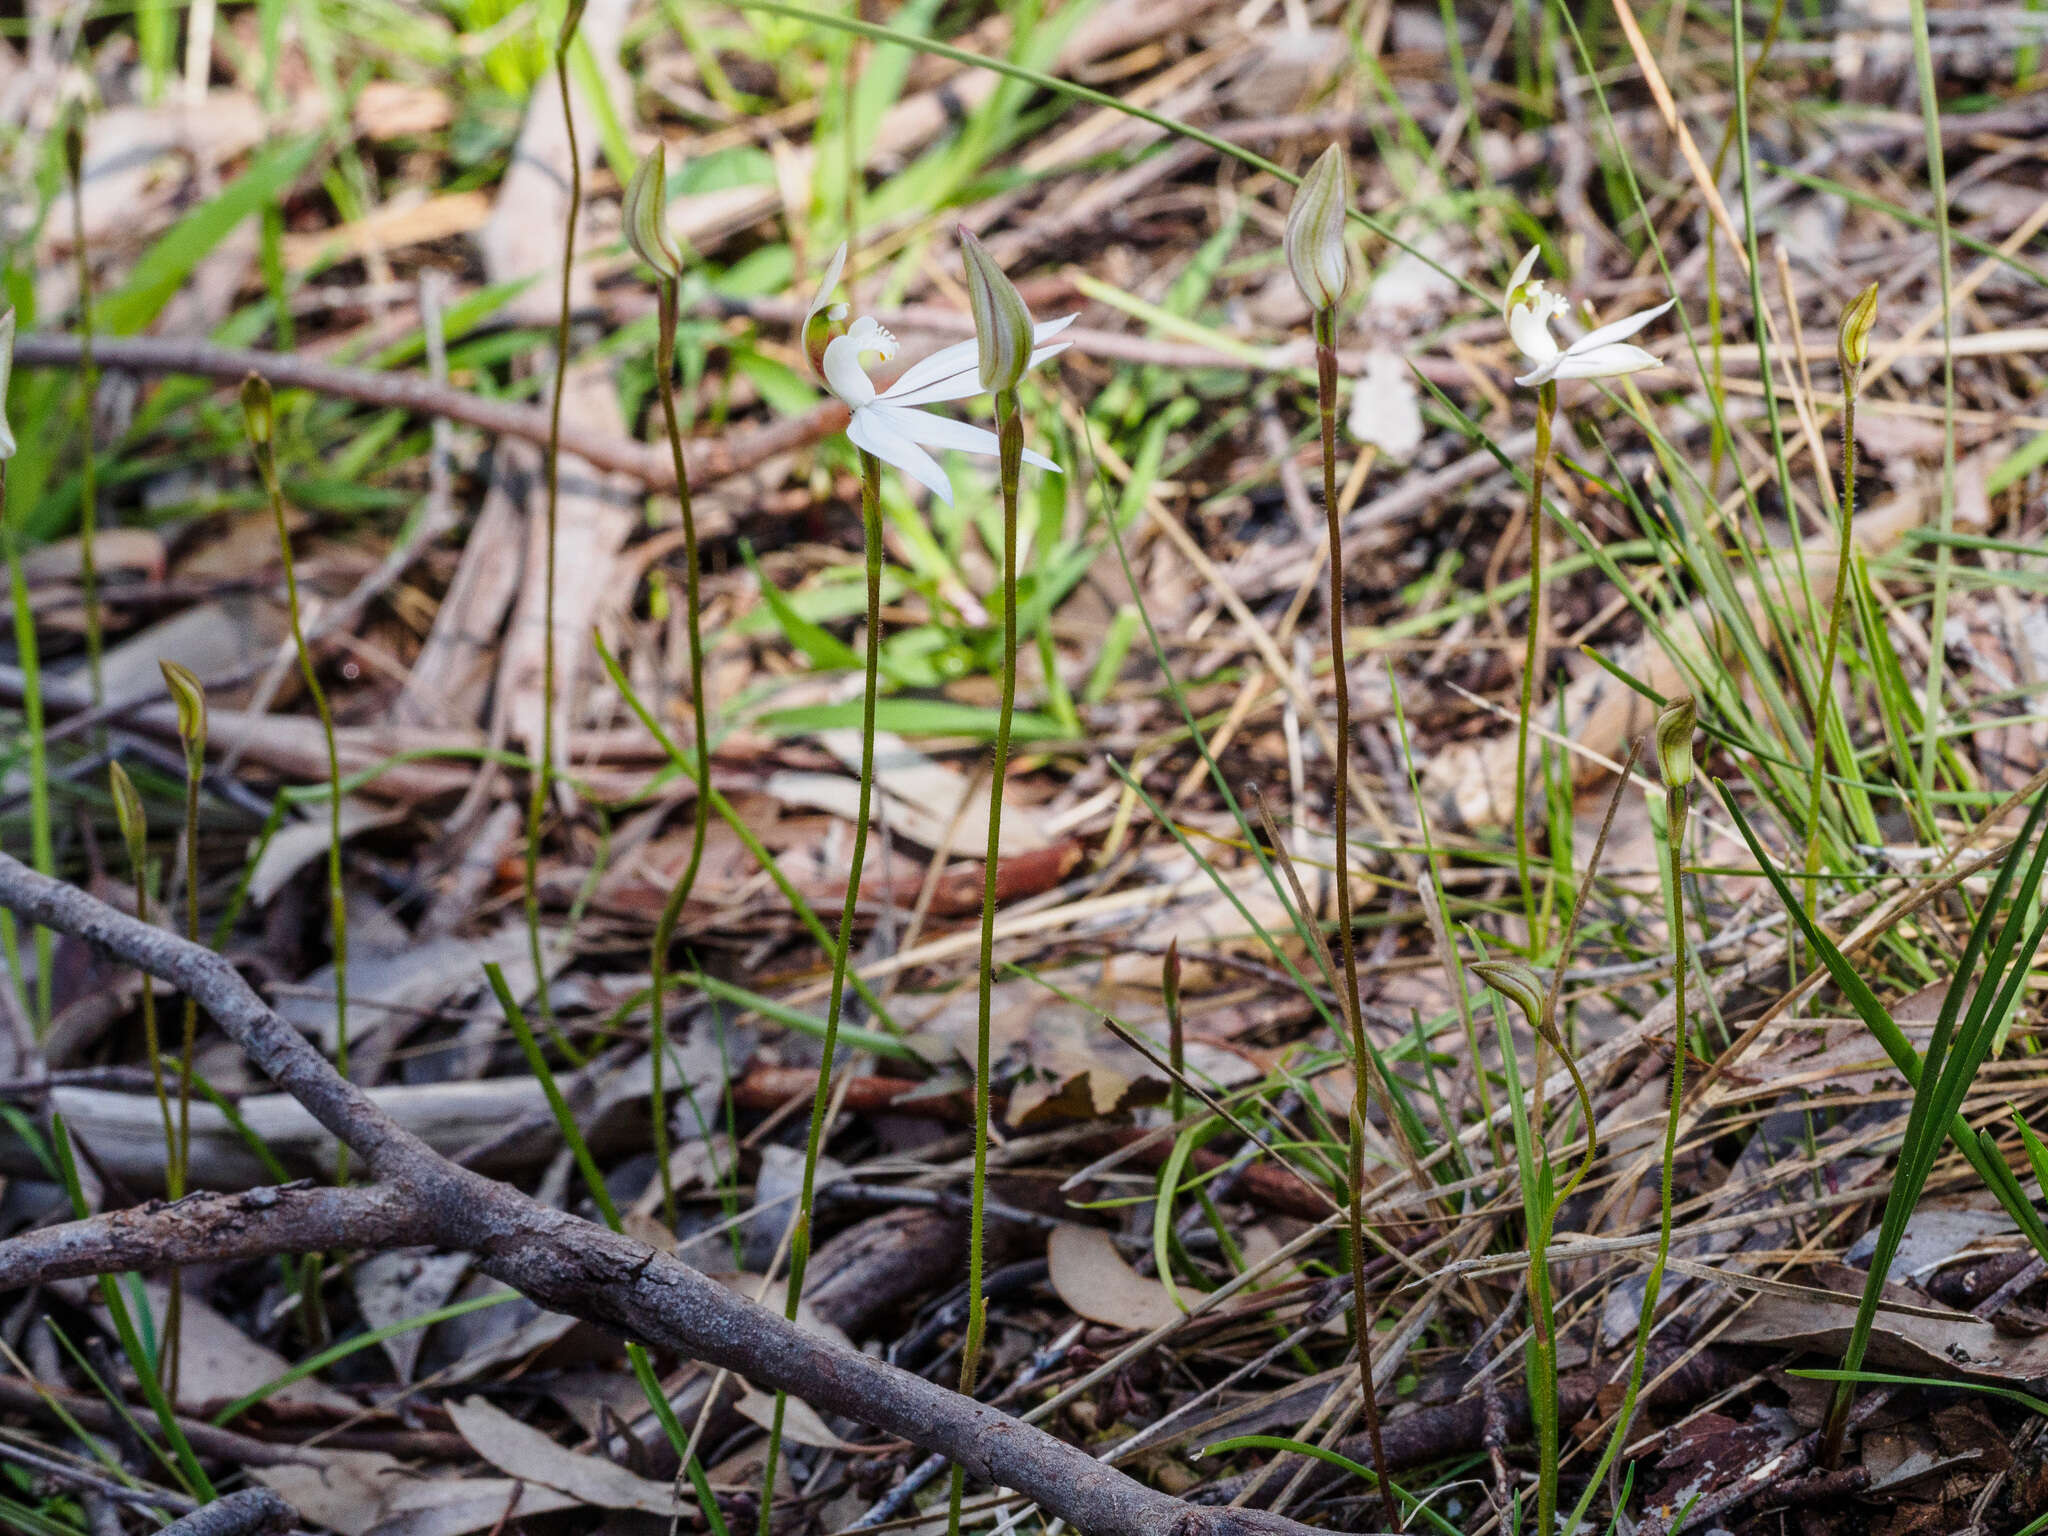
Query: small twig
point(252, 1512)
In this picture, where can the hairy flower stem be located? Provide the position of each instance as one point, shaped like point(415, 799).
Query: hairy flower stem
point(544, 772)
point(1546, 411)
point(88, 492)
point(266, 467)
point(1845, 551)
point(1653, 1282)
point(800, 1232)
point(1347, 942)
point(672, 910)
point(176, 1175)
point(1010, 442)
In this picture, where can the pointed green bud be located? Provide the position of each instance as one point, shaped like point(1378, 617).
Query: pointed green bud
point(1518, 984)
point(1316, 253)
point(1169, 977)
point(257, 411)
point(128, 813)
point(572, 18)
point(1675, 724)
point(190, 696)
point(646, 213)
point(1002, 325)
point(1857, 319)
point(74, 141)
point(6, 373)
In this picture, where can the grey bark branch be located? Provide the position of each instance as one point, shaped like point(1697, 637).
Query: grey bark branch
point(574, 1267)
point(252, 1512)
point(707, 460)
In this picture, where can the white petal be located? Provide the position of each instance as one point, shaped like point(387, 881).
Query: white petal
point(935, 431)
point(821, 301)
point(873, 431)
point(945, 364)
point(1522, 270)
point(1043, 353)
point(1619, 330)
point(844, 375)
point(1529, 325)
point(1041, 461)
point(1542, 375)
point(1045, 330)
point(1607, 362)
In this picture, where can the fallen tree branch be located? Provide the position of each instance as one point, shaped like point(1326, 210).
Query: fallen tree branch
point(252, 1512)
point(571, 1266)
point(708, 460)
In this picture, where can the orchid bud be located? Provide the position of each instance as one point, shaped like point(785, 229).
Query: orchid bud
point(1316, 253)
point(1518, 984)
point(1675, 724)
point(572, 18)
point(1002, 325)
point(6, 372)
point(74, 142)
point(258, 412)
point(1857, 319)
point(129, 815)
point(646, 213)
point(1169, 977)
point(190, 696)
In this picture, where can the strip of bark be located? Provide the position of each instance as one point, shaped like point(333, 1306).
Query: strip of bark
point(574, 1267)
point(708, 460)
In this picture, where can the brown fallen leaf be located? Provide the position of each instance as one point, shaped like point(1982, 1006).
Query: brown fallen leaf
point(1092, 1278)
point(529, 1454)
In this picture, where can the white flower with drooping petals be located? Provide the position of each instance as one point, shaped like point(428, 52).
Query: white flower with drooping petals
point(1602, 354)
point(888, 423)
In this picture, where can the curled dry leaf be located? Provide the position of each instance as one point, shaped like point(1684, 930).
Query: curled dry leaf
point(528, 1453)
point(1092, 1278)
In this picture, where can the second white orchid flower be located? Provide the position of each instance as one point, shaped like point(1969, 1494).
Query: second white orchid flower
point(1602, 354)
point(889, 423)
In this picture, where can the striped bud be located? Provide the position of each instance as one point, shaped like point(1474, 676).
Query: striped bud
point(129, 815)
point(1002, 325)
point(190, 696)
point(1316, 253)
point(6, 373)
point(1857, 319)
point(646, 213)
point(1518, 984)
point(258, 412)
point(1675, 724)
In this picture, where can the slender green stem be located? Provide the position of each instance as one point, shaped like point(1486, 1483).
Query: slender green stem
point(266, 466)
point(1347, 938)
point(1010, 444)
point(1546, 411)
point(544, 772)
point(1653, 1282)
point(672, 910)
point(88, 491)
point(42, 848)
point(800, 1233)
point(150, 1042)
point(181, 1160)
point(1825, 693)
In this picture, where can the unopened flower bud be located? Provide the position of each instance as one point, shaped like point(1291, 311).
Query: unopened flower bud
point(190, 696)
point(1316, 253)
point(1675, 724)
point(6, 373)
point(1518, 984)
point(646, 213)
point(129, 815)
point(74, 141)
point(1002, 325)
point(257, 410)
point(1857, 319)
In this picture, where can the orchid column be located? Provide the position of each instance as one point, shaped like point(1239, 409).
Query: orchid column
point(1321, 264)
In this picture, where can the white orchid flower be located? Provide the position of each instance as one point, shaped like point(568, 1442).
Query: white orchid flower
point(887, 423)
point(1601, 354)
